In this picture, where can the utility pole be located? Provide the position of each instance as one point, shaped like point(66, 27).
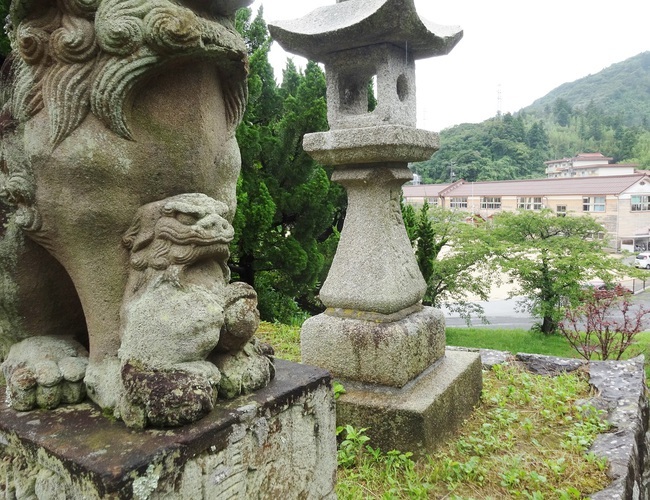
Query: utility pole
point(499, 101)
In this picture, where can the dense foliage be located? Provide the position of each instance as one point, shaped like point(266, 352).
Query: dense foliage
point(549, 259)
point(4, 40)
point(288, 211)
point(607, 112)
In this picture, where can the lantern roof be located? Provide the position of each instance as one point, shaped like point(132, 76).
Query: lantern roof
point(351, 24)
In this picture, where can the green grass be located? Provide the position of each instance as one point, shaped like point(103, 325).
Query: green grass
point(285, 339)
point(526, 439)
point(511, 340)
point(531, 342)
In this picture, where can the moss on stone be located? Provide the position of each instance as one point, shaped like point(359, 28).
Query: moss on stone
point(10, 331)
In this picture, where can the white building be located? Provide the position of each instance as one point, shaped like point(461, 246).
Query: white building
point(587, 164)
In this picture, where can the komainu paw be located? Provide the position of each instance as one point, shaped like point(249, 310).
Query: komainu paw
point(44, 372)
point(244, 371)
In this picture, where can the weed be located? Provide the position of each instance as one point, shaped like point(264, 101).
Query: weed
point(528, 433)
point(512, 446)
point(351, 446)
point(338, 389)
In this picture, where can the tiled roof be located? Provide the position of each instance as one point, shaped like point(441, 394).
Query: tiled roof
point(585, 156)
point(581, 157)
point(593, 185)
point(423, 190)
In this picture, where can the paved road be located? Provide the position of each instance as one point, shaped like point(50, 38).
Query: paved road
point(503, 314)
point(500, 314)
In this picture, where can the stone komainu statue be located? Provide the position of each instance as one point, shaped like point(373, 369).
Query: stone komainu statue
point(113, 269)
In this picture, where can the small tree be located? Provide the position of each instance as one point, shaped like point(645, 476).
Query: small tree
point(453, 257)
point(549, 257)
point(605, 324)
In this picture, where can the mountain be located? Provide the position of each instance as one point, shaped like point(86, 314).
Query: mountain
point(608, 112)
point(622, 90)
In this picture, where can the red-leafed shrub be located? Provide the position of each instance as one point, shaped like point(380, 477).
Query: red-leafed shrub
point(604, 325)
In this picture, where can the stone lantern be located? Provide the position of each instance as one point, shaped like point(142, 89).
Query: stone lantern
point(375, 335)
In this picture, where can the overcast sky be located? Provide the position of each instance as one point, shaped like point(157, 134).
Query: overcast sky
point(524, 48)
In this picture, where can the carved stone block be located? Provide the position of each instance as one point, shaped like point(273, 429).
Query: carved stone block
point(388, 353)
point(278, 443)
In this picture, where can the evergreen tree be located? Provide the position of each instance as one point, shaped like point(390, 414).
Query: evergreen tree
point(288, 210)
point(452, 257)
point(562, 112)
point(426, 249)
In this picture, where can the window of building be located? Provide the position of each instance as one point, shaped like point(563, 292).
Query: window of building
point(530, 203)
point(561, 210)
point(491, 202)
point(432, 201)
point(458, 202)
point(593, 203)
point(640, 203)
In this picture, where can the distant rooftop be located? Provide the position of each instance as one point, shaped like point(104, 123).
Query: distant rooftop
point(581, 186)
point(596, 157)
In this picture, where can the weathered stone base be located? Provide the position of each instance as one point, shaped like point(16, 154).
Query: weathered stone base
point(276, 443)
point(386, 353)
point(419, 416)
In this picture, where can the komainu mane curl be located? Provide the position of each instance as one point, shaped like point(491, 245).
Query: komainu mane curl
point(79, 56)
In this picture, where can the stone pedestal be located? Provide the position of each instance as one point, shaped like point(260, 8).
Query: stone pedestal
point(276, 443)
point(420, 415)
point(373, 351)
point(400, 381)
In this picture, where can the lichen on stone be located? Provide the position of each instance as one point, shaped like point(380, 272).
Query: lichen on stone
point(9, 318)
point(144, 486)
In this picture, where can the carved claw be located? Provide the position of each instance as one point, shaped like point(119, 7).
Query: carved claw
point(241, 317)
point(244, 371)
point(169, 398)
point(44, 372)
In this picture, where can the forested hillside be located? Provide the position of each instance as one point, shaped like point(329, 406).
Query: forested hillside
point(616, 90)
point(608, 112)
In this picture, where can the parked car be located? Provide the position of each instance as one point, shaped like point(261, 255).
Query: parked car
point(642, 260)
point(600, 285)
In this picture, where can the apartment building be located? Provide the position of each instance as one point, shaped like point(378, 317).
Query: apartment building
point(587, 164)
